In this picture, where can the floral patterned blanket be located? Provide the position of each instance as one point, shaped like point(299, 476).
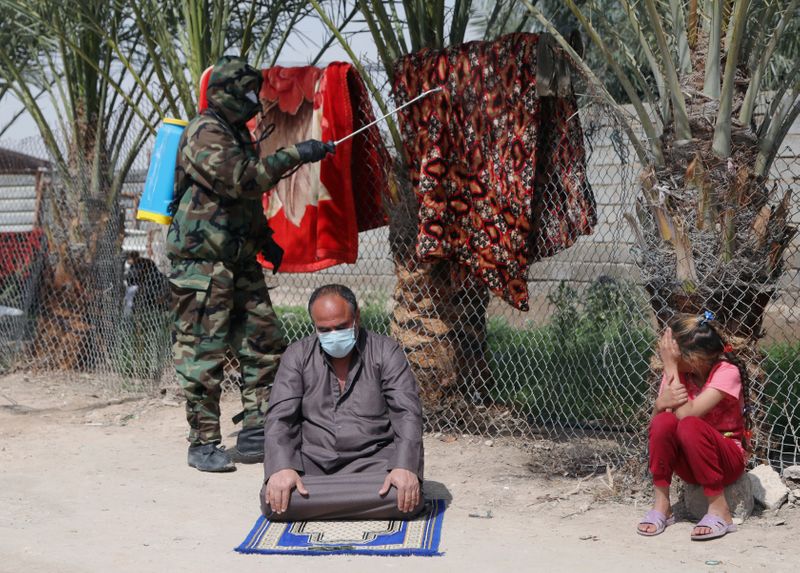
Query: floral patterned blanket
point(500, 173)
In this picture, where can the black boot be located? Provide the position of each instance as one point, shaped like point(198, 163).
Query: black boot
point(210, 458)
point(250, 445)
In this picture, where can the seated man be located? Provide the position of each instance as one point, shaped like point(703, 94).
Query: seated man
point(343, 432)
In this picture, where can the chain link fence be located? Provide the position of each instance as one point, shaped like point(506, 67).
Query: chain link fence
point(576, 369)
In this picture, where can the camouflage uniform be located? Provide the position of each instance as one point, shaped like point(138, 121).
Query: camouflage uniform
point(219, 296)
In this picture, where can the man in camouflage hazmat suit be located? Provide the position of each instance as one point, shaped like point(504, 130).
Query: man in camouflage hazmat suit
point(219, 296)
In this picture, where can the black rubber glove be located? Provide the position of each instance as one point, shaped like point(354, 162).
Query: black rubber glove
point(314, 150)
point(272, 251)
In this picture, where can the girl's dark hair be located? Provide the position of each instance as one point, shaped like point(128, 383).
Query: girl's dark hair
point(701, 343)
point(336, 289)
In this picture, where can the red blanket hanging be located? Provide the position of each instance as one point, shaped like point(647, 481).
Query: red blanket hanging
point(18, 252)
point(317, 213)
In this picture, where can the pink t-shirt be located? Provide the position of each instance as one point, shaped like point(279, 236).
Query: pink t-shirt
point(727, 416)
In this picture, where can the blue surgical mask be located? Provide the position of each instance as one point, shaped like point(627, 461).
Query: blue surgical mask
point(338, 343)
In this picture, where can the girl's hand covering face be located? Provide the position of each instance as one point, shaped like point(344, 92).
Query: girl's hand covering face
point(668, 350)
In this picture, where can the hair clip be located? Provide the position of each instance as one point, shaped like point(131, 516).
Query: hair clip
point(727, 349)
point(707, 317)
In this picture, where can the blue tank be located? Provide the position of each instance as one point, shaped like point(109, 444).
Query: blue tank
point(158, 187)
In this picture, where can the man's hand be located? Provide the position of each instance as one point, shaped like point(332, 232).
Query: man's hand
point(407, 485)
point(279, 489)
point(314, 150)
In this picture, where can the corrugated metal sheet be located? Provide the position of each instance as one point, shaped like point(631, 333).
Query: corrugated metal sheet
point(17, 203)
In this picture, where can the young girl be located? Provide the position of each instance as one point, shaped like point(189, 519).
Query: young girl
point(698, 429)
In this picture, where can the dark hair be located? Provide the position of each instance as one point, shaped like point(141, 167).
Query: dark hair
point(700, 342)
point(335, 289)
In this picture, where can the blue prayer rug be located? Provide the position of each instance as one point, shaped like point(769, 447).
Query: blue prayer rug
point(419, 536)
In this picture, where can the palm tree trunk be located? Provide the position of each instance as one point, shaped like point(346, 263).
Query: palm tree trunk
point(77, 301)
point(440, 320)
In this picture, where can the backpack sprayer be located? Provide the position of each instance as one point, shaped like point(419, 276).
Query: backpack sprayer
point(159, 185)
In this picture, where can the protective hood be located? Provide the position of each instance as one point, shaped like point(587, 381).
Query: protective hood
point(232, 89)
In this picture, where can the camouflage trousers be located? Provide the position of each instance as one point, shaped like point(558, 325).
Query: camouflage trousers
point(218, 307)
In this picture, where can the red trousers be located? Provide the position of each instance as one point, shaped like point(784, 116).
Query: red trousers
point(695, 451)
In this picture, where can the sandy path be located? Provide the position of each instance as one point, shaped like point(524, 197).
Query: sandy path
point(89, 487)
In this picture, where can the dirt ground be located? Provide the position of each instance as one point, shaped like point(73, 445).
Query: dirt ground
point(91, 482)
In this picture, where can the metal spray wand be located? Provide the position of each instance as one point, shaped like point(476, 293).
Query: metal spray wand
point(420, 96)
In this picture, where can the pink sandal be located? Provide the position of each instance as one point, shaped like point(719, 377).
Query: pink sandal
point(717, 526)
point(655, 517)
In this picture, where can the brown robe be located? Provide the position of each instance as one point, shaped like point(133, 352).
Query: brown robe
point(343, 443)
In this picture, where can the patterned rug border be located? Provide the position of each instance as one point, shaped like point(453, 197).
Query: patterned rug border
point(435, 517)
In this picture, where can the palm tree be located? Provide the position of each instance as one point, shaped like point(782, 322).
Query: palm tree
point(441, 324)
point(111, 70)
point(100, 124)
point(711, 229)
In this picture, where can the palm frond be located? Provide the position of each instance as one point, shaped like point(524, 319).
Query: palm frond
point(681, 119)
point(622, 77)
point(722, 130)
point(712, 69)
point(754, 87)
point(680, 35)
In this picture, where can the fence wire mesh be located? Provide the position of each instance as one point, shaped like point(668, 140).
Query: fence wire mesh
point(83, 289)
